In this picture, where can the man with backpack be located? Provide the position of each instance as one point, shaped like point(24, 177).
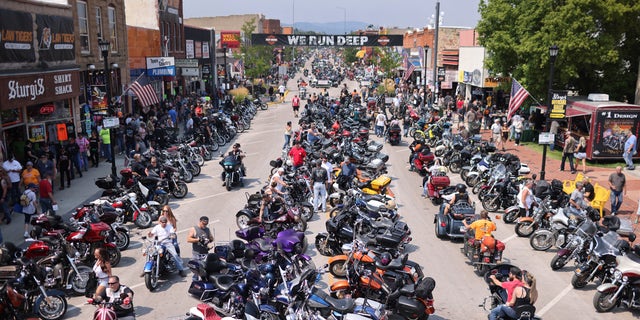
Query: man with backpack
point(28, 203)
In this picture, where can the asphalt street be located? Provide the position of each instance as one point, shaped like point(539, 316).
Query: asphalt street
point(459, 290)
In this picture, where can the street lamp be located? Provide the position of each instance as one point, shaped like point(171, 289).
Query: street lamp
point(344, 28)
point(105, 46)
point(553, 53)
point(424, 75)
point(226, 77)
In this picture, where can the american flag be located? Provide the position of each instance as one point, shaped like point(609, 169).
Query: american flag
point(239, 66)
point(405, 59)
point(518, 95)
point(144, 91)
point(409, 71)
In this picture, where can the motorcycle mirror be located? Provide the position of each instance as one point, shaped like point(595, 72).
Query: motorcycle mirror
point(632, 237)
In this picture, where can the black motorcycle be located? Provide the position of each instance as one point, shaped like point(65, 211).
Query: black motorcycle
point(394, 135)
point(232, 174)
point(501, 272)
point(172, 183)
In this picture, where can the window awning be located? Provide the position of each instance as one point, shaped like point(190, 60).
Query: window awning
point(574, 111)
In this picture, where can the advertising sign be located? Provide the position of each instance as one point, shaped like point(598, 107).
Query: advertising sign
point(205, 50)
point(161, 66)
point(189, 48)
point(198, 49)
point(55, 38)
point(558, 104)
point(37, 132)
point(609, 132)
point(33, 89)
point(326, 40)
point(16, 37)
point(230, 38)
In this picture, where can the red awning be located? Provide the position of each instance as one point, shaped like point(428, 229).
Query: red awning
point(573, 111)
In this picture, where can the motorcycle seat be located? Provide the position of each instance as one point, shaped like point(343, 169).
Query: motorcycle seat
point(222, 281)
point(213, 263)
point(525, 311)
point(340, 305)
point(408, 289)
point(263, 244)
point(395, 264)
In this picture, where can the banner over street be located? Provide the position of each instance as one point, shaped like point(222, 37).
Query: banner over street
point(326, 40)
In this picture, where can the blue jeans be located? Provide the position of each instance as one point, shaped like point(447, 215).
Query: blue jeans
point(106, 151)
point(84, 160)
point(46, 205)
point(616, 200)
point(628, 158)
point(566, 156)
point(319, 196)
point(501, 311)
point(379, 130)
point(287, 140)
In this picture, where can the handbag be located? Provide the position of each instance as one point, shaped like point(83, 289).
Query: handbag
point(92, 285)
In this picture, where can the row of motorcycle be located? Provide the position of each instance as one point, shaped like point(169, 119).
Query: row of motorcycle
point(57, 262)
point(599, 248)
point(266, 270)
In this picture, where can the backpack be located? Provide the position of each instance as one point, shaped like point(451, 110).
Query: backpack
point(24, 200)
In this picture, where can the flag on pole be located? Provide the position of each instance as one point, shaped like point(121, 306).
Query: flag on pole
point(518, 95)
point(144, 91)
point(239, 66)
point(409, 71)
point(405, 59)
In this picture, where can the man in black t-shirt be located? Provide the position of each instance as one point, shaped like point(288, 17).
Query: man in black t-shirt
point(74, 151)
point(116, 291)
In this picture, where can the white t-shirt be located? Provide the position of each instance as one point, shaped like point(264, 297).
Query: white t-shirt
point(496, 128)
point(380, 120)
point(163, 233)
point(15, 165)
point(282, 89)
point(329, 167)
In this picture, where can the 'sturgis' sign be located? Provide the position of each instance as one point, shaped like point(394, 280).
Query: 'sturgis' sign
point(326, 40)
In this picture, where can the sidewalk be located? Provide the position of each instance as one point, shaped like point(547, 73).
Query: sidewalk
point(533, 158)
point(82, 191)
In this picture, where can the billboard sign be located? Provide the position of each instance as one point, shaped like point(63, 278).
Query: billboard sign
point(161, 66)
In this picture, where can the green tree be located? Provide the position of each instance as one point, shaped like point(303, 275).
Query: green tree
point(389, 61)
point(598, 41)
point(257, 59)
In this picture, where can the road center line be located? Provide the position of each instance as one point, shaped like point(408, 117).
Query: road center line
point(201, 198)
point(554, 301)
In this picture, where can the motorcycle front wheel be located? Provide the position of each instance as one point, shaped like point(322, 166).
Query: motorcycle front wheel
point(122, 240)
point(187, 176)
point(150, 279)
point(525, 228)
point(144, 220)
point(180, 190)
point(306, 213)
point(195, 169)
point(163, 199)
point(337, 268)
point(114, 256)
point(558, 262)
point(78, 281)
point(52, 307)
point(602, 301)
point(322, 246)
point(541, 241)
point(243, 221)
point(491, 202)
point(579, 281)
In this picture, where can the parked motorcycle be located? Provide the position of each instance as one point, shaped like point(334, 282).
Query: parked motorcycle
point(624, 290)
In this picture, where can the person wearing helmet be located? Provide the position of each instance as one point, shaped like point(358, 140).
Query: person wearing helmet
point(460, 196)
point(236, 151)
point(480, 228)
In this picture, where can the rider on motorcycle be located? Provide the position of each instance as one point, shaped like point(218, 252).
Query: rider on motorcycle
point(115, 291)
point(166, 233)
point(460, 196)
point(577, 202)
point(480, 228)
point(519, 290)
point(239, 155)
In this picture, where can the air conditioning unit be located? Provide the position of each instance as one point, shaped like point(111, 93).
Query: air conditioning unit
point(598, 97)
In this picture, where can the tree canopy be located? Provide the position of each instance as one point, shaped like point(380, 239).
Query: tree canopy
point(598, 42)
point(257, 59)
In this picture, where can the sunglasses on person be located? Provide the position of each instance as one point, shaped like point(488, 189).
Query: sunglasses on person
point(112, 283)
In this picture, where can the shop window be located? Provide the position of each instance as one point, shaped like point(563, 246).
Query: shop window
point(83, 27)
point(58, 110)
point(113, 32)
point(11, 117)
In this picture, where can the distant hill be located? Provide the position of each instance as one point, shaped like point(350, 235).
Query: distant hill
point(331, 27)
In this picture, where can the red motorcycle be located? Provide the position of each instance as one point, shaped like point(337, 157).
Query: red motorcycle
point(436, 183)
point(488, 251)
point(91, 236)
point(109, 215)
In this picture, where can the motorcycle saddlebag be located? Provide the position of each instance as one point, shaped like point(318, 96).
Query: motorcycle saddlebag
point(380, 182)
point(542, 188)
point(424, 288)
point(410, 308)
point(203, 291)
point(106, 182)
point(440, 181)
point(556, 185)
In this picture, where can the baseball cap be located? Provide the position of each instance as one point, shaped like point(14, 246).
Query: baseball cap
point(204, 218)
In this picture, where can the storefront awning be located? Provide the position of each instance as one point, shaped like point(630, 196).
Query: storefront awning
point(574, 111)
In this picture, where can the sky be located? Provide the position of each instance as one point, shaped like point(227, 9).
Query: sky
point(388, 13)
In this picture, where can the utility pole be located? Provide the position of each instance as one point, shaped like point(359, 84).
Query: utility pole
point(435, 52)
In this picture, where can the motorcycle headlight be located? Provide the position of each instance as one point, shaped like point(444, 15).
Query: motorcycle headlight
point(617, 275)
point(160, 250)
point(625, 279)
point(228, 167)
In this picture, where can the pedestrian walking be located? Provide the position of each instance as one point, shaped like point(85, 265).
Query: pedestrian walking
point(295, 104)
point(496, 133)
point(281, 91)
point(518, 127)
point(381, 120)
point(5, 193)
point(567, 151)
point(74, 155)
point(28, 205)
point(288, 132)
point(83, 149)
point(320, 180)
point(13, 169)
point(581, 154)
point(45, 188)
point(105, 139)
point(505, 134)
point(630, 147)
point(64, 163)
point(94, 147)
point(618, 187)
point(200, 238)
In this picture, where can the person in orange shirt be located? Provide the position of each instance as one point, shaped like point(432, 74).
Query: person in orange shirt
point(30, 175)
point(481, 227)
